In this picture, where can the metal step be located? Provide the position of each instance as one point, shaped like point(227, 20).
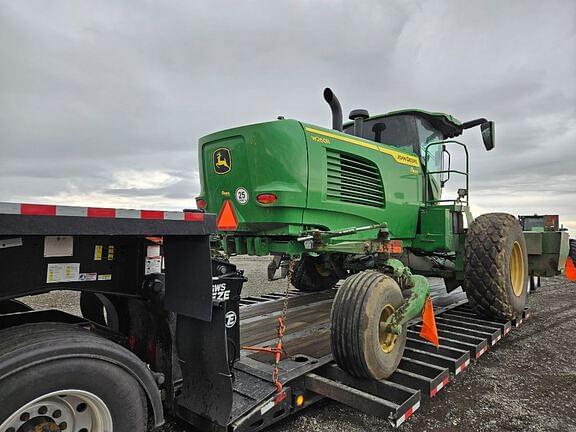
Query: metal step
point(473, 319)
point(380, 398)
point(429, 379)
point(477, 345)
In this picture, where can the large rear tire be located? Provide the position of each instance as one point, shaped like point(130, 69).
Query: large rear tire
point(54, 377)
point(310, 274)
point(496, 266)
point(359, 346)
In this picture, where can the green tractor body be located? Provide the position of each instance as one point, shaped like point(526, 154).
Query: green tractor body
point(329, 180)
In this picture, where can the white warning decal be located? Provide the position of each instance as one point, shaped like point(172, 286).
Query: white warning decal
point(88, 277)
point(63, 272)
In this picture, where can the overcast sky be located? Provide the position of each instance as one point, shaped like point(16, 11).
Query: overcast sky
point(102, 102)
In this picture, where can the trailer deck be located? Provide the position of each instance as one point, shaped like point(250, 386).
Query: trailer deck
point(308, 367)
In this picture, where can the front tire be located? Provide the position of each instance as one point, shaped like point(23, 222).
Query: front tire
point(359, 345)
point(496, 266)
point(54, 374)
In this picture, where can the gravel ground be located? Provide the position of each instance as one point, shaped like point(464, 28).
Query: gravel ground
point(527, 383)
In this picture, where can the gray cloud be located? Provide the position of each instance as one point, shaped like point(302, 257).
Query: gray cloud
point(103, 102)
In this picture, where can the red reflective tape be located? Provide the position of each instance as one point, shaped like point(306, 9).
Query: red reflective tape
point(37, 210)
point(482, 351)
point(151, 214)
point(439, 387)
point(462, 367)
point(101, 212)
point(194, 217)
point(409, 413)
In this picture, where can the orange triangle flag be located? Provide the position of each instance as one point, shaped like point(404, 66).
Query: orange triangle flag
point(429, 331)
point(570, 269)
point(227, 220)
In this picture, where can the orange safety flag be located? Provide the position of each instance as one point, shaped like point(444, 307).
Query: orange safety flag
point(570, 269)
point(227, 220)
point(429, 330)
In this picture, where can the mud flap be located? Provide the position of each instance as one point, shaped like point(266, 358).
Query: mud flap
point(206, 397)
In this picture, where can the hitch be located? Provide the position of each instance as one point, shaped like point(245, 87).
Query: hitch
point(320, 241)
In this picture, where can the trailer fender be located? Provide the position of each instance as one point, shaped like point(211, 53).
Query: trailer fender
point(29, 345)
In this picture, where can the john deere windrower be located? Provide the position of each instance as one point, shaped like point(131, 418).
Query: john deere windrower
point(363, 202)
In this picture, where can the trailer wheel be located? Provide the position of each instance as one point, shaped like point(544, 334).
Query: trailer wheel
point(496, 266)
point(55, 377)
point(572, 252)
point(359, 346)
point(311, 275)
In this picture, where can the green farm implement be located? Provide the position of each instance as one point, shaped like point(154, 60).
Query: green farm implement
point(362, 201)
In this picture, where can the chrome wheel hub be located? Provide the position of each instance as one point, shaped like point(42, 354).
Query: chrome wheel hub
point(61, 411)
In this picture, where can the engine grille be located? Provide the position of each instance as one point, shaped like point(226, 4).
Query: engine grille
point(353, 179)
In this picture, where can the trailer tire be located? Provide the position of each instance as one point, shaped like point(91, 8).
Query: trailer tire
point(496, 266)
point(359, 347)
point(572, 252)
point(47, 370)
point(309, 275)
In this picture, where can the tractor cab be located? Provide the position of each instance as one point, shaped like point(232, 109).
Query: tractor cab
point(411, 131)
point(423, 133)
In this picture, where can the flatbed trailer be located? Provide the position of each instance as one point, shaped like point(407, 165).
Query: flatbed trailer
point(171, 318)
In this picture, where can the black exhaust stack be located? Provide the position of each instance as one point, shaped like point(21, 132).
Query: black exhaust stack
point(336, 108)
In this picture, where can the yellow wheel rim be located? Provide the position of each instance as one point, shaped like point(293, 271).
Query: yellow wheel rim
point(387, 339)
point(517, 269)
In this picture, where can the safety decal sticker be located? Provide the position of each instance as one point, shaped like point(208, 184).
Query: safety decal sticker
point(104, 253)
point(88, 277)
point(63, 272)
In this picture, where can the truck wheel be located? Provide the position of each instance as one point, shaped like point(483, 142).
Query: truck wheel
point(496, 266)
point(54, 377)
point(311, 275)
point(359, 346)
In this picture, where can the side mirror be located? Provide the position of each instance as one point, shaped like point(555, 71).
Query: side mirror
point(487, 129)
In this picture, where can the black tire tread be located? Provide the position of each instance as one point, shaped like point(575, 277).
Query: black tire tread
point(306, 278)
point(349, 306)
point(484, 264)
point(36, 343)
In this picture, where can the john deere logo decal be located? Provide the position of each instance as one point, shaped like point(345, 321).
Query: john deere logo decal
point(222, 161)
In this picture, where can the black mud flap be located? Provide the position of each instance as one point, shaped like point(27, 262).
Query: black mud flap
point(206, 395)
point(205, 398)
